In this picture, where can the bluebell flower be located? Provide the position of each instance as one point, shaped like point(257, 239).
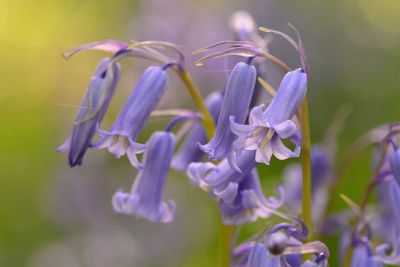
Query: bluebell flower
point(236, 103)
point(362, 257)
point(391, 227)
point(258, 256)
point(93, 108)
point(268, 126)
point(320, 178)
point(189, 150)
point(239, 195)
point(121, 139)
point(146, 197)
point(394, 160)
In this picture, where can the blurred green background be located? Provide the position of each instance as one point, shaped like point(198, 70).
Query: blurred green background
point(51, 215)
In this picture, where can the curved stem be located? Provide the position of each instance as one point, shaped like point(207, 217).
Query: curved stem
point(305, 158)
point(277, 61)
point(207, 120)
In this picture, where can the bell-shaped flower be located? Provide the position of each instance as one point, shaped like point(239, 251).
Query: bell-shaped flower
point(236, 103)
point(146, 197)
point(268, 126)
point(189, 150)
point(121, 139)
point(239, 195)
point(93, 108)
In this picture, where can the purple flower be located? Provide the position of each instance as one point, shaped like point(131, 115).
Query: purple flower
point(239, 195)
point(242, 25)
point(320, 174)
point(236, 103)
point(362, 257)
point(145, 198)
point(258, 256)
point(394, 160)
point(189, 150)
point(268, 127)
point(93, 108)
point(391, 227)
point(121, 139)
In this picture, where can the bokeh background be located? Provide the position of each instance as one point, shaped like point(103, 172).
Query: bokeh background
point(52, 215)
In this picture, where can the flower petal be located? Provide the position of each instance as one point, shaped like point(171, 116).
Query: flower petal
point(285, 129)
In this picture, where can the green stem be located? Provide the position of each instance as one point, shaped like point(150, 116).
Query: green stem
point(226, 234)
point(305, 158)
point(207, 120)
point(226, 231)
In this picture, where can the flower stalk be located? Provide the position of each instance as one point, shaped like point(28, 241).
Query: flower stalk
point(305, 158)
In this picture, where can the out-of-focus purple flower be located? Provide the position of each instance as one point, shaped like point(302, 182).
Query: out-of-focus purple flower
point(92, 111)
point(394, 160)
point(362, 257)
point(391, 225)
point(146, 197)
point(242, 26)
point(239, 195)
point(121, 139)
point(258, 256)
point(236, 103)
point(320, 178)
point(189, 151)
point(267, 127)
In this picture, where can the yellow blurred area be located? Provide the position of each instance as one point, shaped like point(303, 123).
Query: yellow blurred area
point(372, 23)
point(384, 15)
point(33, 34)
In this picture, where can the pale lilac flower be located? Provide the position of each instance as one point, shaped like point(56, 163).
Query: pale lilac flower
point(189, 150)
point(238, 93)
point(267, 127)
point(93, 108)
point(121, 139)
point(146, 197)
point(239, 195)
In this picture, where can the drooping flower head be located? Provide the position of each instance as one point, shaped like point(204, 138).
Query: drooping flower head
point(93, 108)
point(236, 103)
point(121, 139)
point(189, 150)
point(268, 126)
point(146, 197)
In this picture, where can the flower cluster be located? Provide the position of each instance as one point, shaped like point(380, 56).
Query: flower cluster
point(228, 139)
